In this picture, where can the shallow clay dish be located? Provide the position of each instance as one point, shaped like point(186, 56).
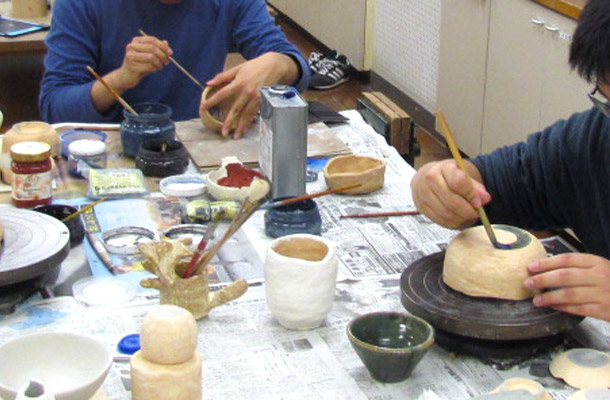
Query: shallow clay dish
point(351, 169)
point(582, 368)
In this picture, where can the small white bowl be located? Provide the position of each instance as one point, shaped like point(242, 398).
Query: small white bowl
point(71, 366)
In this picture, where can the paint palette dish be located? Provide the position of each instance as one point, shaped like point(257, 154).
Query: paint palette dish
point(70, 366)
point(223, 182)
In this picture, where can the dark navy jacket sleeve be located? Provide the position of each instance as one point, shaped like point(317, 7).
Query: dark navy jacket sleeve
point(558, 178)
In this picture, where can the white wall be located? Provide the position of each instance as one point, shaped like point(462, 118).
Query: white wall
point(406, 46)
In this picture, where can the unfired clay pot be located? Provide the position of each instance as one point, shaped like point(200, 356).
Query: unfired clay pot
point(300, 279)
point(353, 169)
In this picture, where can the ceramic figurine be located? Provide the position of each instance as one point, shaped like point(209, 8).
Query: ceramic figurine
point(167, 366)
point(168, 259)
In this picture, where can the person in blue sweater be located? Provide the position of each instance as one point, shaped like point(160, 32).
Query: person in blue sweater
point(105, 34)
point(558, 178)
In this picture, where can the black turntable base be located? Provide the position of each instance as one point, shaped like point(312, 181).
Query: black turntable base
point(486, 326)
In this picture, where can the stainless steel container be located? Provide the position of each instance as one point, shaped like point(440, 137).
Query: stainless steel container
point(283, 140)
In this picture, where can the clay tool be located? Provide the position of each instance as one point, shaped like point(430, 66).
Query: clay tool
point(84, 209)
point(101, 251)
point(180, 67)
point(209, 233)
point(309, 196)
point(381, 214)
point(455, 152)
point(111, 90)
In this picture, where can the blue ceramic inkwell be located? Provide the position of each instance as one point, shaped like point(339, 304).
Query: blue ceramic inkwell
point(152, 122)
point(301, 217)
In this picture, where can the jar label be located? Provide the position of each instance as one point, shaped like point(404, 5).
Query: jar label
point(32, 186)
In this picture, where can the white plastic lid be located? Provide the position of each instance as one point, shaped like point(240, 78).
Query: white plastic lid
point(186, 185)
point(87, 147)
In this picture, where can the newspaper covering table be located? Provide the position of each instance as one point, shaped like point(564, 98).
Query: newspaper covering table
point(248, 355)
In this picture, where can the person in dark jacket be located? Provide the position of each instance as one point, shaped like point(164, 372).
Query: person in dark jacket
point(559, 178)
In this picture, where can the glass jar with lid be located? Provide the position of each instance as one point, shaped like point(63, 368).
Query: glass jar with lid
point(32, 174)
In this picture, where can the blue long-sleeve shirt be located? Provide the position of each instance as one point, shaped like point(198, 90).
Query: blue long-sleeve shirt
point(558, 178)
point(200, 32)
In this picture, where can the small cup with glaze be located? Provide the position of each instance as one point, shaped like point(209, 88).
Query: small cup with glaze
point(390, 344)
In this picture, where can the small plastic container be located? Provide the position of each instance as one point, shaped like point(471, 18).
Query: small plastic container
point(301, 217)
point(84, 155)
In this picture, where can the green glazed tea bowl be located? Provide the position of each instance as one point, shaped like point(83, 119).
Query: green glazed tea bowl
point(390, 344)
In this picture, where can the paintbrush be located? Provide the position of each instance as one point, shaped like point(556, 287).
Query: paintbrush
point(84, 209)
point(455, 152)
point(308, 196)
point(248, 208)
point(209, 233)
point(111, 90)
point(180, 67)
point(102, 253)
point(381, 214)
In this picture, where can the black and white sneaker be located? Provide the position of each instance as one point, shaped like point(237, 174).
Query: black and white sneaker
point(331, 71)
point(314, 59)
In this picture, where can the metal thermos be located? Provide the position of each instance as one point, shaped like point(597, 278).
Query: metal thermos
point(283, 140)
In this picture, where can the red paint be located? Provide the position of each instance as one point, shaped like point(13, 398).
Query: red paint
point(239, 176)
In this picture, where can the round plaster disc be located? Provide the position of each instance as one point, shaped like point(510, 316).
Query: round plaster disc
point(34, 243)
point(424, 294)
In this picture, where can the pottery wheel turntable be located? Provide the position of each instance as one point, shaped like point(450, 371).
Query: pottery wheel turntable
point(479, 326)
point(35, 244)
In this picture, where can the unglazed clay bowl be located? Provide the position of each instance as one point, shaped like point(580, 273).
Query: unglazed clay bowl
point(342, 171)
point(212, 118)
point(390, 344)
point(71, 366)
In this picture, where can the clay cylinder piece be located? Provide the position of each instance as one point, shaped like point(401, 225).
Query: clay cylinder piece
point(150, 381)
point(473, 266)
point(353, 169)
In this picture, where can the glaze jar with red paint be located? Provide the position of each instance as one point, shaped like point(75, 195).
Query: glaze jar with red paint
point(32, 174)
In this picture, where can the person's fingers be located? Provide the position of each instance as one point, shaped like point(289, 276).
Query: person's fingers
point(563, 277)
point(246, 119)
point(232, 118)
point(575, 260)
point(223, 77)
point(573, 295)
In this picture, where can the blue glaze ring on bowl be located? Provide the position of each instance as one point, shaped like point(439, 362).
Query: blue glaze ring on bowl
point(301, 217)
point(152, 122)
point(67, 137)
point(390, 344)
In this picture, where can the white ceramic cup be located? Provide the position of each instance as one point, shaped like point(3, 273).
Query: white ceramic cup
point(300, 280)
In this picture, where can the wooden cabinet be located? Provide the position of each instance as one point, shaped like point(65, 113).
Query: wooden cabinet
point(527, 80)
point(343, 25)
point(463, 68)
